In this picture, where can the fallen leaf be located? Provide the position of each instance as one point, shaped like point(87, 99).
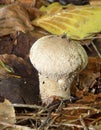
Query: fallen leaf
point(21, 85)
point(75, 21)
point(14, 44)
point(8, 126)
point(96, 127)
point(89, 75)
point(14, 18)
point(95, 2)
point(17, 65)
point(27, 2)
point(7, 112)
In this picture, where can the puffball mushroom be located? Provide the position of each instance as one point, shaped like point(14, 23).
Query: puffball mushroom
point(58, 60)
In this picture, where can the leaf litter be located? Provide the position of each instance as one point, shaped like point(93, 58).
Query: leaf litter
point(21, 107)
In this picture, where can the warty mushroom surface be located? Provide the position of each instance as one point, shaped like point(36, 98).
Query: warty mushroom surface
point(58, 60)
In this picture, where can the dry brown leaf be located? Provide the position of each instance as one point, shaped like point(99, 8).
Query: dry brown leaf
point(14, 44)
point(90, 74)
point(17, 64)
point(98, 39)
point(5, 1)
point(96, 127)
point(27, 2)
point(8, 126)
point(18, 127)
point(21, 85)
point(95, 2)
point(7, 117)
point(14, 18)
point(7, 113)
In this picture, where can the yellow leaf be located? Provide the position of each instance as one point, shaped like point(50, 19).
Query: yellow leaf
point(78, 22)
point(52, 8)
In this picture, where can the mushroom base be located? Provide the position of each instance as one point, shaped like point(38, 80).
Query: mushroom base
point(50, 87)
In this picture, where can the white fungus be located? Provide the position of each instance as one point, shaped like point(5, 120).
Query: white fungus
point(58, 60)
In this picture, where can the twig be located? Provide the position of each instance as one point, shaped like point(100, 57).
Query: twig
point(82, 107)
point(96, 120)
point(60, 106)
point(45, 122)
point(71, 125)
point(96, 49)
point(27, 106)
point(14, 126)
point(83, 123)
point(51, 122)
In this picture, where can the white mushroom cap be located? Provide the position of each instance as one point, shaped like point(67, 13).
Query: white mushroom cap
point(58, 60)
point(55, 57)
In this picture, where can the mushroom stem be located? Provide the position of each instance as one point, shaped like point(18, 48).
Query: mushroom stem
point(50, 87)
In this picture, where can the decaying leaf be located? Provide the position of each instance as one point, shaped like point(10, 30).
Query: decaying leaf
point(27, 2)
point(20, 85)
point(18, 127)
point(17, 64)
point(95, 2)
point(89, 76)
point(7, 113)
point(78, 22)
point(8, 126)
point(14, 18)
point(8, 118)
point(96, 127)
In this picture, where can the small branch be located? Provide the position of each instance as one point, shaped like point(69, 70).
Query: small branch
point(71, 125)
point(95, 121)
point(60, 106)
point(51, 122)
point(48, 118)
point(96, 49)
point(83, 123)
point(82, 107)
point(27, 106)
point(15, 126)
